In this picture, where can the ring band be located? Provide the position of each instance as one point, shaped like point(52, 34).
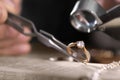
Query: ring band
point(79, 45)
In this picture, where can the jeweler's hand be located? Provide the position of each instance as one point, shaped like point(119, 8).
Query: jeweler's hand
point(107, 4)
point(11, 41)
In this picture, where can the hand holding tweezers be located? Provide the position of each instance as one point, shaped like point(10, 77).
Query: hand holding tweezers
point(46, 38)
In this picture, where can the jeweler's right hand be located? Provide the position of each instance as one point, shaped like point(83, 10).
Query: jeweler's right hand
point(11, 41)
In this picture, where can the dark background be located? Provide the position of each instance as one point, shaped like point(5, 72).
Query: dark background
point(53, 17)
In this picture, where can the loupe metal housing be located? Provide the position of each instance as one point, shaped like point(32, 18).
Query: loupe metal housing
point(87, 15)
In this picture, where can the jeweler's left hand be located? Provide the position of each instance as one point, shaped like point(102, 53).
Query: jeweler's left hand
point(11, 41)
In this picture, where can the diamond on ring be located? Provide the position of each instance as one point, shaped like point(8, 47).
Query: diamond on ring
point(80, 44)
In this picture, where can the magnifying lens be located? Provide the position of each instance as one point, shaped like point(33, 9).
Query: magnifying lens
point(87, 15)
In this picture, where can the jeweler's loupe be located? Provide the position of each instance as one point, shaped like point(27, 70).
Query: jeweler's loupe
point(88, 15)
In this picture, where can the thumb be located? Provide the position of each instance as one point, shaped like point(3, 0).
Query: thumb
point(3, 13)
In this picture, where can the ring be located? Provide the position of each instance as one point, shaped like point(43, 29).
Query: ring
point(79, 45)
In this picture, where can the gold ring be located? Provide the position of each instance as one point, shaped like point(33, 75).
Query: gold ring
point(79, 45)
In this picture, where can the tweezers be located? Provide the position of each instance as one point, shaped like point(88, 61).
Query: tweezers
point(19, 22)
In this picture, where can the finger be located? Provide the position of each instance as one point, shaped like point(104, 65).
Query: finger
point(13, 33)
point(19, 49)
point(19, 39)
point(7, 32)
point(24, 38)
point(10, 6)
point(8, 43)
point(17, 5)
point(3, 13)
point(2, 31)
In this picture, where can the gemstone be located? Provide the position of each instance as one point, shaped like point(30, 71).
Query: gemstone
point(80, 44)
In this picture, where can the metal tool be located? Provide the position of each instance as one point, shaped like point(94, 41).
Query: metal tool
point(46, 38)
point(88, 15)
